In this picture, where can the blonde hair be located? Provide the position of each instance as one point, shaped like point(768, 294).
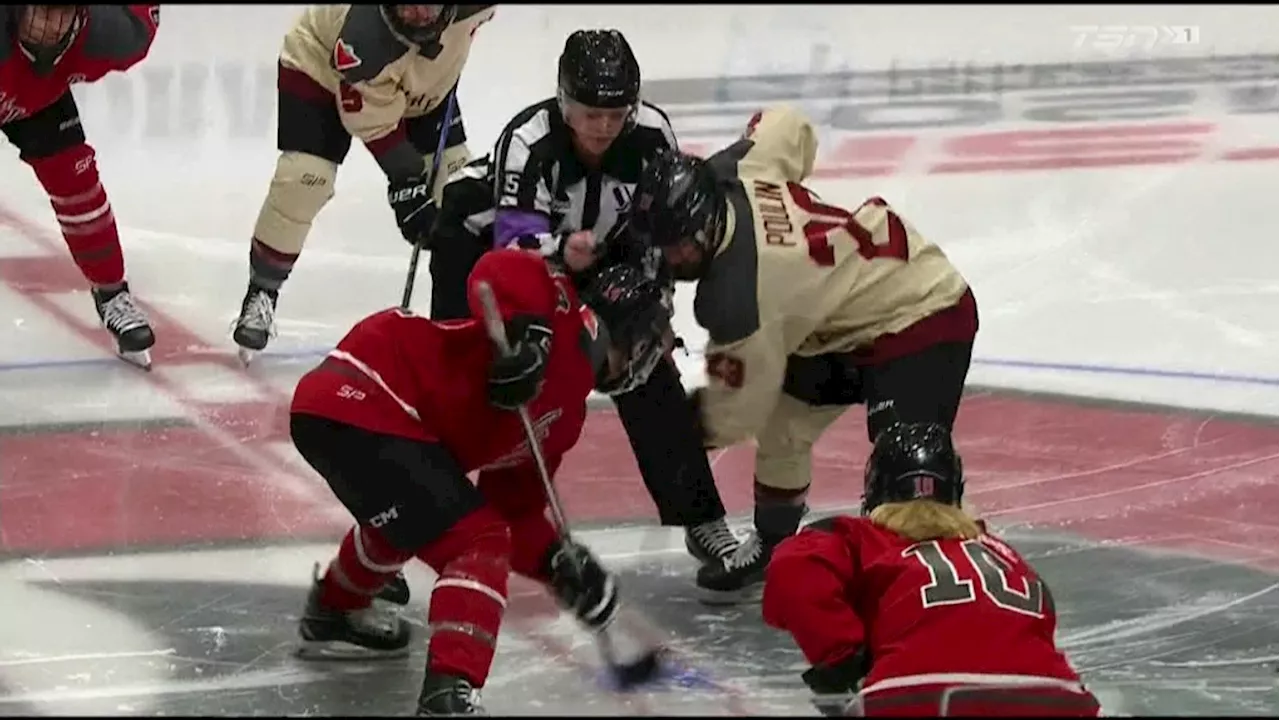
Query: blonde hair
point(925, 519)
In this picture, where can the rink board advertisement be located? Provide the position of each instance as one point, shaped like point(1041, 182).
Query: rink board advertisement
point(952, 119)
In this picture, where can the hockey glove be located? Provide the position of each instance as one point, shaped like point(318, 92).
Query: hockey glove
point(515, 379)
point(582, 585)
point(841, 678)
point(410, 200)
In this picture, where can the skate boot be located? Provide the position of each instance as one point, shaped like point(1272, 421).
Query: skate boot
point(396, 591)
point(736, 578)
point(127, 323)
point(740, 576)
point(447, 696)
point(710, 541)
point(257, 322)
point(369, 633)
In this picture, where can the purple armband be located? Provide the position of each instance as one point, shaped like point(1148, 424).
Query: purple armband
point(510, 225)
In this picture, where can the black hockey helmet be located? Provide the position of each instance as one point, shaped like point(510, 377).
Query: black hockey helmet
point(422, 34)
point(678, 198)
point(44, 44)
point(630, 307)
point(598, 69)
point(911, 461)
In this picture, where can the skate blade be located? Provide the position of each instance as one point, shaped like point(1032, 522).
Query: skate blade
point(247, 356)
point(718, 598)
point(338, 651)
point(138, 358)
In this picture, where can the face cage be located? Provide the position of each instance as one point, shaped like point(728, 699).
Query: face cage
point(44, 58)
point(641, 360)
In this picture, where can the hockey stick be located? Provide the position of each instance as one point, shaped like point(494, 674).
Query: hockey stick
point(626, 674)
point(445, 124)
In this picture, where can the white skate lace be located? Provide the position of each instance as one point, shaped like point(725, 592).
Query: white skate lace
point(259, 313)
point(468, 694)
point(120, 314)
point(715, 536)
point(464, 692)
point(746, 553)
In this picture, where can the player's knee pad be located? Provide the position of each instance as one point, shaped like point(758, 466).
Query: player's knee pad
point(300, 188)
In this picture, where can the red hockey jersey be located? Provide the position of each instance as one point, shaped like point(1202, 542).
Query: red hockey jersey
point(399, 373)
point(931, 615)
point(113, 38)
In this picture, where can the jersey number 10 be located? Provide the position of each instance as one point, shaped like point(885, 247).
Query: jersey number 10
point(996, 578)
point(826, 218)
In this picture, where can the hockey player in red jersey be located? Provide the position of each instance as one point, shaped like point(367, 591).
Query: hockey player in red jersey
point(915, 603)
point(397, 415)
point(44, 50)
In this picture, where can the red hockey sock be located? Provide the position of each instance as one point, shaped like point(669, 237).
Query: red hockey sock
point(268, 267)
point(365, 562)
point(532, 536)
point(470, 596)
point(80, 203)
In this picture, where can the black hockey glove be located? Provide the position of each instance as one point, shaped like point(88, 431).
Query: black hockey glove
point(582, 585)
point(514, 380)
point(842, 678)
point(410, 200)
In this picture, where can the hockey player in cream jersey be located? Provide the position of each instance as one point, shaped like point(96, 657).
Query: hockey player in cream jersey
point(382, 74)
point(809, 308)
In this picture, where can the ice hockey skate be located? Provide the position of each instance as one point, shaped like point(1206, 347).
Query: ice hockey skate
point(366, 634)
point(448, 696)
point(737, 578)
point(127, 323)
point(395, 592)
point(710, 541)
point(255, 326)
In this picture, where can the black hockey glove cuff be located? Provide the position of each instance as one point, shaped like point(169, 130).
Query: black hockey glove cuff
point(843, 676)
point(410, 200)
point(582, 585)
point(514, 379)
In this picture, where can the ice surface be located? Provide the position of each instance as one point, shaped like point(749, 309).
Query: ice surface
point(157, 530)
